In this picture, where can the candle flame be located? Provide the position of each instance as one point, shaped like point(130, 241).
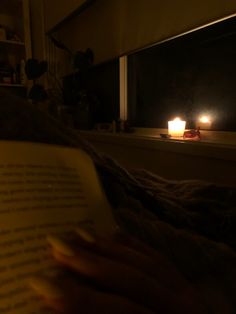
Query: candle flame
point(177, 119)
point(204, 119)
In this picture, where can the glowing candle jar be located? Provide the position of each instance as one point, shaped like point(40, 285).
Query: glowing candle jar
point(204, 123)
point(176, 127)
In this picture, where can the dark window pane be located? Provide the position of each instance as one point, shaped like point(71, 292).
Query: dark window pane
point(187, 76)
point(100, 86)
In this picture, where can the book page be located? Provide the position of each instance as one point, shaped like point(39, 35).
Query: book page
point(44, 190)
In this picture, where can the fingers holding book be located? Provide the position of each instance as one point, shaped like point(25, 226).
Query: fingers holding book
point(122, 276)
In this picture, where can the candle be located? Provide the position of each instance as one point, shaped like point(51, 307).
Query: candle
point(176, 127)
point(204, 123)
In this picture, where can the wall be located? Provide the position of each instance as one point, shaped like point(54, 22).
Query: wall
point(57, 10)
point(116, 27)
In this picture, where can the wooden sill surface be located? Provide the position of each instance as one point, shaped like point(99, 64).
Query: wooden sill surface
point(218, 146)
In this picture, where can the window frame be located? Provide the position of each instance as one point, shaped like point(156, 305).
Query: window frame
point(212, 137)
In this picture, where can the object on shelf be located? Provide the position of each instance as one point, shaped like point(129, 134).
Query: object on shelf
point(15, 44)
point(35, 69)
point(5, 73)
point(104, 127)
point(113, 126)
point(22, 72)
point(120, 125)
point(14, 76)
point(3, 35)
point(6, 80)
point(124, 126)
point(18, 73)
point(8, 34)
point(14, 37)
point(127, 127)
point(176, 127)
point(165, 135)
point(192, 135)
point(204, 122)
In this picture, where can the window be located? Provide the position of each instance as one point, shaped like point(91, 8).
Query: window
point(188, 76)
point(99, 88)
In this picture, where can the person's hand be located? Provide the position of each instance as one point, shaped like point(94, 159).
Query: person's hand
point(118, 276)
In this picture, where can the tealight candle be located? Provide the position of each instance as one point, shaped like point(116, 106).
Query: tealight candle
point(176, 127)
point(204, 123)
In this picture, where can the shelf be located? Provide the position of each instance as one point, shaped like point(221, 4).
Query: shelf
point(12, 42)
point(11, 85)
point(15, 19)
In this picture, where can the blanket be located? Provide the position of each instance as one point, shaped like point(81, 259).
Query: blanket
point(192, 222)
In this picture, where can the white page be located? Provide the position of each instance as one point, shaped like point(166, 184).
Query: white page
point(44, 190)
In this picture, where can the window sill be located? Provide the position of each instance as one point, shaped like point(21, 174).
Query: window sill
point(172, 159)
point(216, 145)
point(208, 137)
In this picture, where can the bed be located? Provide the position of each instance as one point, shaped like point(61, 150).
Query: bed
point(192, 222)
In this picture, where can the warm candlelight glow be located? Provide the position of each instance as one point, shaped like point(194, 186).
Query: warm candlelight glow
point(204, 122)
point(176, 127)
point(204, 119)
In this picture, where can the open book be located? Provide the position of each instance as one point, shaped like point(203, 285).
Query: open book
point(44, 190)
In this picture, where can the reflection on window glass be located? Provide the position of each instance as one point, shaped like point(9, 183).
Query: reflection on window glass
point(192, 76)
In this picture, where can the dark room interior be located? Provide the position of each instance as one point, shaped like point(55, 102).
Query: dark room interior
point(118, 156)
